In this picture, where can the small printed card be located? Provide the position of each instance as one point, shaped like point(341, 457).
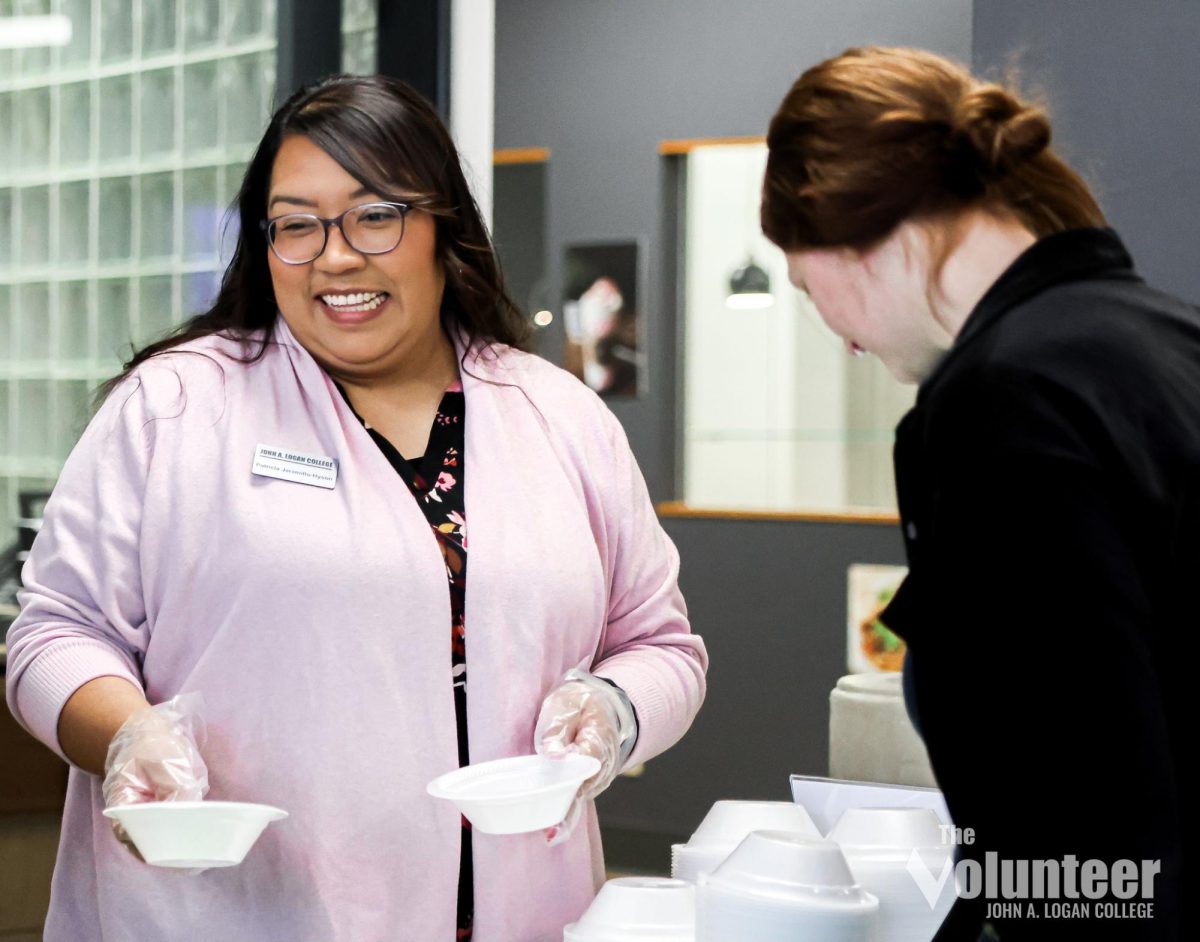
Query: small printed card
point(287, 465)
point(870, 644)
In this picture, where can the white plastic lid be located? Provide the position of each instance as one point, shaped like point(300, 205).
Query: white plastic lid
point(790, 869)
point(641, 908)
point(902, 829)
point(885, 684)
point(728, 822)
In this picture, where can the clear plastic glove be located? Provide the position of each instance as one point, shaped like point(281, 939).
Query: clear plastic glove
point(155, 756)
point(585, 715)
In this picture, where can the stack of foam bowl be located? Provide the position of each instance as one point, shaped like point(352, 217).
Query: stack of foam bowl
point(638, 909)
point(900, 855)
point(871, 738)
point(781, 887)
point(726, 825)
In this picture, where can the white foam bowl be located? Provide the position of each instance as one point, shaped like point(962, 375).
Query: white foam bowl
point(646, 909)
point(726, 825)
point(888, 829)
point(781, 887)
point(881, 846)
point(518, 795)
point(194, 834)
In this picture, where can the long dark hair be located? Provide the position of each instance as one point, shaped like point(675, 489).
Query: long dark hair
point(876, 136)
point(391, 140)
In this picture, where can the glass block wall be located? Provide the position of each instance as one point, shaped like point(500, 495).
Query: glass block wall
point(360, 36)
point(118, 156)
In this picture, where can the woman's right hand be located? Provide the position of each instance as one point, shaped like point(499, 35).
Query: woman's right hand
point(155, 756)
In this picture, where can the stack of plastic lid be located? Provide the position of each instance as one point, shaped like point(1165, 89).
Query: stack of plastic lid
point(638, 909)
point(781, 887)
point(726, 825)
point(901, 856)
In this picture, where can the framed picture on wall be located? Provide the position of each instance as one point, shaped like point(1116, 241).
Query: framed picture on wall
point(870, 645)
point(602, 318)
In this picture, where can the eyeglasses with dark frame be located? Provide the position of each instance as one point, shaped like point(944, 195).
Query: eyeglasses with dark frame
point(369, 229)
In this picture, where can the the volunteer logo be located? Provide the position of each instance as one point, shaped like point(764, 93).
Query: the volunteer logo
point(1069, 888)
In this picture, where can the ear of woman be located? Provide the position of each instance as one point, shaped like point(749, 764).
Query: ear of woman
point(968, 252)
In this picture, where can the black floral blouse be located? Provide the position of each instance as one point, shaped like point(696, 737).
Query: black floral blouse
point(436, 482)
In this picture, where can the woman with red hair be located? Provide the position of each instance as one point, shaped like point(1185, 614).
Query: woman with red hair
point(1048, 475)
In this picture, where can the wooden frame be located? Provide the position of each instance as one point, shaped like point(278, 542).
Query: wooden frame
point(520, 155)
point(678, 510)
point(681, 147)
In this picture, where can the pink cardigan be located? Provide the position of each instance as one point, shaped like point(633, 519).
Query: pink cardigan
point(313, 621)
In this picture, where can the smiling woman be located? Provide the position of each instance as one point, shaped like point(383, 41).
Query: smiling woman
point(270, 508)
point(361, 289)
point(330, 151)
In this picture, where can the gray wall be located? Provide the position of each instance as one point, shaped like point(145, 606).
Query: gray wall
point(600, 84)
point(1124, 92)
point(519, 232)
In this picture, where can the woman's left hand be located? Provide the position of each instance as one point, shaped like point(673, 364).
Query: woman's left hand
point(588, 716)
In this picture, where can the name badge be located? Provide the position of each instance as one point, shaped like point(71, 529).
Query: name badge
point(294, 466)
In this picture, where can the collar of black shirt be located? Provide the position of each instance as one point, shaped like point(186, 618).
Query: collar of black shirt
point(1072, 255)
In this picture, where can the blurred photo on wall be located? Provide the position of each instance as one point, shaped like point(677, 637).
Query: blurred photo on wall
point(601, 317)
